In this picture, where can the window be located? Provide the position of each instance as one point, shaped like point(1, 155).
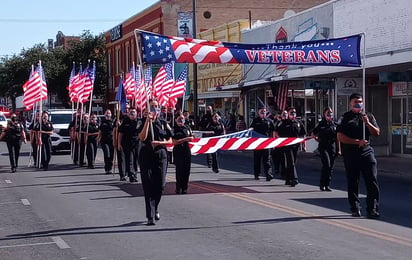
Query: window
point(118, 61)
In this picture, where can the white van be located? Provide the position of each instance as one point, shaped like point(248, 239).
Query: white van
point(60, 119)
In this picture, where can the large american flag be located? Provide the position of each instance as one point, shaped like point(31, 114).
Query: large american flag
point(240, 141)
point(130, 83)
point(162, 49)
point(35, 88)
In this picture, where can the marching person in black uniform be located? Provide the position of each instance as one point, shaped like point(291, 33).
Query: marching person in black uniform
point(354, 129)
point(91, 142)
point(129, 143)
point(81, 132)
point(325, 134)
point(119, 152)
point(33, 137)
point(154, 135)
point(291, 127)
point(44, 131)
point(182, 135)
point(13, 134)
point(278, 154)
point(74, 124)
point(105, 138)
point(215, 128)
point(263, 126)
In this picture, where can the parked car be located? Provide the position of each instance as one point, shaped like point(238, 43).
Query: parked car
point(61, 119)
point(3, 121)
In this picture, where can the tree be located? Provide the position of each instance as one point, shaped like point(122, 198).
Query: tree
point(57, 64)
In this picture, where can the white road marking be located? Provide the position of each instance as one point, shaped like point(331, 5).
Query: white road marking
point(33, 244)
point(60, 243)
point(25, 202)
point(10, 202)
point(8, 181)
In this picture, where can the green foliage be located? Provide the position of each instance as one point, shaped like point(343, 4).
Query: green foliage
point(57, 64)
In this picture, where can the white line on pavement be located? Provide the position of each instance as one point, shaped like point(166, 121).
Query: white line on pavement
point(60, 242)
point(8, 181)
point(33, 244)
point(25, 202)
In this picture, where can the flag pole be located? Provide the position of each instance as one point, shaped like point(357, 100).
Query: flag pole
point(41, 111)
point(139, 56)
point(364, 80)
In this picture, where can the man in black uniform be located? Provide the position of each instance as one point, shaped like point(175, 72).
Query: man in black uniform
point(91, 148)
point(44, 131)
point(105, 139)
point(129, 143)
point(263, 126)
point(354, 130)
point(154, 134)
point(291, 127)
point(13, 134)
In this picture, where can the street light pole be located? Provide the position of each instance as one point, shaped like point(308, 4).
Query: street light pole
point(195, 105)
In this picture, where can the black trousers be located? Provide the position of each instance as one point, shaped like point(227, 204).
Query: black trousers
point(91, 150)
point(327, 157)
point(108, 154)
point(46, 153)
point(131, 153)
point(153, 166)
point(182, 159)
point(362, 163)
point(277, 156)
point(290, 153)
point(120, 163)
point(261, 157)
point(34, 152)
point(14, 152)
point(211, 159)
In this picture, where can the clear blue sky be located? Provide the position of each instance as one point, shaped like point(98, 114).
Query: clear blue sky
point(26, 23)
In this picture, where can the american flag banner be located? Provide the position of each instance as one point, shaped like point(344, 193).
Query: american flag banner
point(130, 83)
point(179, 87)
point(282, 96)
point(74, 87)
point(88, 82)
point(163, 96)
point(161, 49)
point(35, 88)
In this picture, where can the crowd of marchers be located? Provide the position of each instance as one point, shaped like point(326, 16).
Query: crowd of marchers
point(137, 142)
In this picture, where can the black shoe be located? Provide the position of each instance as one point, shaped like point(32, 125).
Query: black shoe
point(177, 191)
point(150, 222)
point(13, 169)
point(157, 216)
point(109, 172)
point(293, 183)
point(288, 182)
point(256, 177)
point(216, 170)
point(91, 167)
point(184, 191)
point(373, 214)
point(356, 213)
point(122, 178)
point(327, 188)
point(269, 177)
point(132, 179)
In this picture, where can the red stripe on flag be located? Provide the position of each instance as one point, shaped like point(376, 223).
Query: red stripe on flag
point(247, 143)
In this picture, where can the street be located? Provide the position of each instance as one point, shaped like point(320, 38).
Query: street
point(70, 212)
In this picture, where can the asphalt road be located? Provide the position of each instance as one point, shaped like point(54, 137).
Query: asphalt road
point(77, 213)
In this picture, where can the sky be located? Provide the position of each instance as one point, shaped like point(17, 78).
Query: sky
point(26, 23)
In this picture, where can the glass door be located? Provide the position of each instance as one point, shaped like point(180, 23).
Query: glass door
point(401, 130)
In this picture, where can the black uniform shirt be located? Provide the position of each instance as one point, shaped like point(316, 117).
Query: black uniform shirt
point(13, 133)
point(48, 126)
point(106, 127)
point(290, 128)
point(93, 128)
point(351, 125)
point(180, 132)
point(263, 126)
point(326, 133)
point(129, 129)
point(161, 130)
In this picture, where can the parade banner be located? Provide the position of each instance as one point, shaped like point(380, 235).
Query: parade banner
point(159, 49)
